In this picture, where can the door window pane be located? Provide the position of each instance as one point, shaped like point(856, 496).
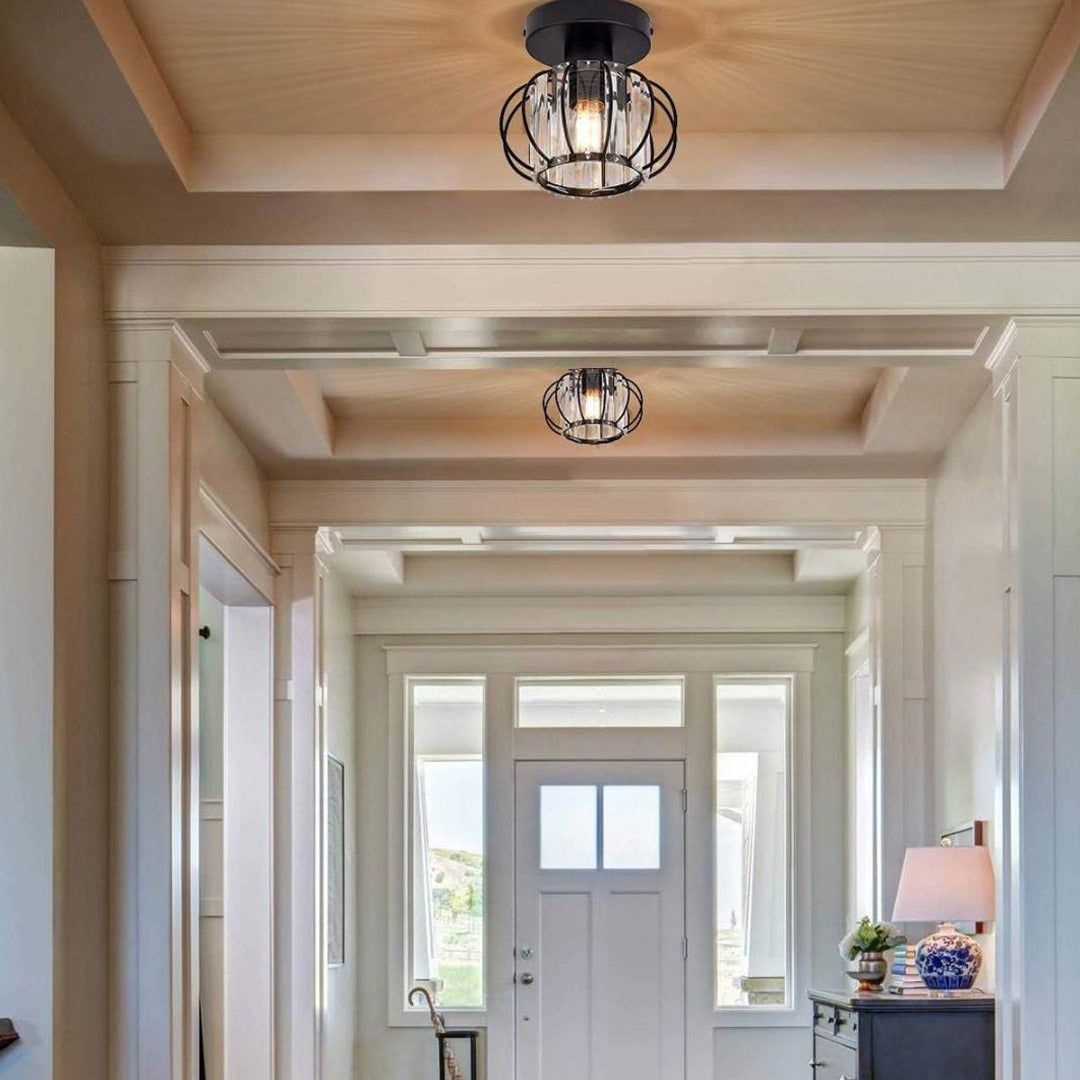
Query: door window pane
point(599, 703)
point(631, 827)
point(447, 840)
point(567, 827)
point(753, 837)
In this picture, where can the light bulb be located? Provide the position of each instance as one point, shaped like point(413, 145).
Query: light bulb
point(588, 126)
point(591, 403)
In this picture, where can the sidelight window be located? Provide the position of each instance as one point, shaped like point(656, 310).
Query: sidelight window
point(446, 839)
point(753, 843)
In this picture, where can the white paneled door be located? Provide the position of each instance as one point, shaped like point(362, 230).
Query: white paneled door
point(600, 978)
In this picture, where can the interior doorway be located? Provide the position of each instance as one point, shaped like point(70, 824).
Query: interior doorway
point(600, 920)
point(236, 807)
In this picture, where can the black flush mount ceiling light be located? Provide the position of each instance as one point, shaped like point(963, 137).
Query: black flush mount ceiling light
point(591, 125)
point(593, 406)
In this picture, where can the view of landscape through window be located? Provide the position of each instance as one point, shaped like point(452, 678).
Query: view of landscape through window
point(448, 841)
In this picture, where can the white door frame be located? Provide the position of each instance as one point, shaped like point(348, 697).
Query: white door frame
point(506, 744)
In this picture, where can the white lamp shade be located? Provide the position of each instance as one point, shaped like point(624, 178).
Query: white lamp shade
point(946, 884)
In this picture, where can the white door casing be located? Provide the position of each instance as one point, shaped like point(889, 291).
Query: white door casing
point(600, 952)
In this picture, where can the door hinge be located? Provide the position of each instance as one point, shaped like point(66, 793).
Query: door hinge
point(685, 949)
point(685, 800)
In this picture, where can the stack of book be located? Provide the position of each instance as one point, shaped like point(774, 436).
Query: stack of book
point(905, 976)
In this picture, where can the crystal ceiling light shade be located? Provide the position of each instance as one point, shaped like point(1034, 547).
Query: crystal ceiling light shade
point(591, 125)
point(593, 406)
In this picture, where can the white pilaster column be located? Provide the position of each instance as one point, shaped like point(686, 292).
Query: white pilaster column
point(1037, 376)
point(299, 804)
point(896, 562)
point(155, 388)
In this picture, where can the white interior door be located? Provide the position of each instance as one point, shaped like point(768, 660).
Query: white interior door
point(600, 982)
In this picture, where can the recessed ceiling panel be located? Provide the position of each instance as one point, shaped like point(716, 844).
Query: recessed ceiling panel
point(445, 66)
point(676, 399)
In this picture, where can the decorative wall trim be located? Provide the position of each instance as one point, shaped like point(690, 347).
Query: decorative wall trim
point(592, 615)
point(201, 282)
point(298, 503)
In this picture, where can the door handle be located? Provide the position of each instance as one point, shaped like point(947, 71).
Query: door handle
point(528, 979)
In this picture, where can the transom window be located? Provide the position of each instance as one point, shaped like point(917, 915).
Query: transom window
point(600, 703)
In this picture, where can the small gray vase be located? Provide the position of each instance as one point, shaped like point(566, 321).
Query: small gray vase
point(869, 970)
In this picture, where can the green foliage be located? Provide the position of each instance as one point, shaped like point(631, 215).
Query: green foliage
point(870, 937)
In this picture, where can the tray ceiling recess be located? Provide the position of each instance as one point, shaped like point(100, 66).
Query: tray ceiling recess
point(821, 95)
point(353, 396)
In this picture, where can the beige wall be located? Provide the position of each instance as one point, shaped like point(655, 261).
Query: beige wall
point(967, 538)
point(228, 469)
point(80, 672)
point(26, 656)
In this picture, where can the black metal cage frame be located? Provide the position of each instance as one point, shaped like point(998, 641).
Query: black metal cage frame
point(571, 427)
point(644, 161)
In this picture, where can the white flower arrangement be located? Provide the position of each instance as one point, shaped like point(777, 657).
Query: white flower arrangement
point(870, 937)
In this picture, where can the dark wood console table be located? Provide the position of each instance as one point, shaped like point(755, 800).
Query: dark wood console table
point(889, 1037)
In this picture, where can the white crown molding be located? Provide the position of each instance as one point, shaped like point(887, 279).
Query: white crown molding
point(300, 504)
point(154, 283)
point(656, 655)
point(1046, 339)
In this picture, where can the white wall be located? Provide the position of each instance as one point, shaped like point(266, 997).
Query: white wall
point(341, 711)
point(211, 833)
point(26, 658)
point(395, 1053)
point(967, 551)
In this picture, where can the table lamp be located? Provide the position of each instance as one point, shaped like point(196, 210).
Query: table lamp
point(946, 885)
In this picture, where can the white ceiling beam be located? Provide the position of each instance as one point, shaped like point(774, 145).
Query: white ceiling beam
point(873, 161)
point(882, 399)
point(372, 439)
point(376, 566)
point(821, 564)
point(1042, 82)
point(136, 63)
point(638, 280)
point(825, 503)
point(279, 413)
point(491, 359)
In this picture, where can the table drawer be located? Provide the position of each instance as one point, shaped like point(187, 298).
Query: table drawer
point(838, 1022)
point(834, 1061)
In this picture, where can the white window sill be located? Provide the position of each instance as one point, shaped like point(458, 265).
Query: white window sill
point(762, 1016)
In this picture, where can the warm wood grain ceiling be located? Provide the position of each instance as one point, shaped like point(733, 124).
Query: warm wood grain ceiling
point(742, 401)
point(444, 66)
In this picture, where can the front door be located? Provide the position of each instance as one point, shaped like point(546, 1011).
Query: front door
point(600, 921)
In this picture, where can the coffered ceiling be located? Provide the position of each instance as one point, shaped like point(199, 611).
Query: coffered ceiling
point(805, 121)
point(458, 397)
point(445, 66)
point(338, 95)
